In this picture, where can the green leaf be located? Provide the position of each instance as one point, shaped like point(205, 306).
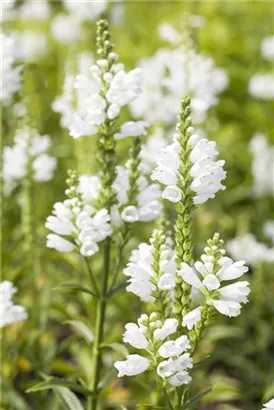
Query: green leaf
point(117, 347)
point(123, 407)
point(68, 398)
point(82, 329)
point(150, 406)
point(52, 383)
point(196, 399)
point(111, 375)
point(121, 286)
point(73, 286)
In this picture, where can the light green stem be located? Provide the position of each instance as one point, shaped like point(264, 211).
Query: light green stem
point(99, 326)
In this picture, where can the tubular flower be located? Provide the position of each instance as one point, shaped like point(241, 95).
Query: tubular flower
point(206, 172)
point(269, 405)
point(10, 313)
point(10, 82)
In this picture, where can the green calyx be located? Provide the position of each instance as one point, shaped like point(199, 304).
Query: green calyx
point(133, 167)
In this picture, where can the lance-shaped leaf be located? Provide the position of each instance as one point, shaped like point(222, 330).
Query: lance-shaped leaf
point(82, 329)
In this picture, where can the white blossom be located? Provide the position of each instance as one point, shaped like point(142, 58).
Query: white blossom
point(33, 9)
point(135, 364)
point(132, 129)
point(65, 28)
point(240, 247)
point(135, 336)
point(29, 146)
point(169, 34)
point(140, 271)
point(170, 74)
point(230, 297)
point(192, 318)
point(9, 313)
point(77, 220)
point(169, 327)
point(261, 86)
point(10, 81)
point(85, 10)
point(174, 347)
point(262, 166)
point(269, 230)
point(269, 405)
point(207, 173)
point(267, 48)
point(175, 370)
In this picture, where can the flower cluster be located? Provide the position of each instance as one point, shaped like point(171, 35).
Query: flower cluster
point(207, 276)
point(29, 149)
point(10, 313)
point(150, 335)
point(10, 82)
point(143, 279)
point(102, 93)
point(76, 223)
point(262, 166)
point(168, 75)
point(206, 172)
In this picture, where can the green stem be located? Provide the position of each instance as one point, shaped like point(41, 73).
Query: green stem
point(99, 326)
point(92, 279)
point(168, 399)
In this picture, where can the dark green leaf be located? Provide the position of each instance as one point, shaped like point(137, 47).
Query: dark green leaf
point(118, 347)
point(68, 398)
point(73, 286)
point(52, 383)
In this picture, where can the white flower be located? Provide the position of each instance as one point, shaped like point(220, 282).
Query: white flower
point(192, 318)
point(130, 214)
point(262, 166)
point(124, 87)
point(269, 230)
point(10, 81)
point(59, 243)
point(135, 336)
point(33, 9)
point(269, 405)
point(174, 347)
point(135, 364)
point(229, 297)
point(65, 28)
point(85, 10)
point(169, 74)
point(175, 370)
point(168, 328)
point(28, 147)
point(140, 271)
point(261, 86)
point(132, 129)
point(31, 44)
point(240, 247)
point(169, 34)
point(207, 173)
point(267, 48)
point(9, 313)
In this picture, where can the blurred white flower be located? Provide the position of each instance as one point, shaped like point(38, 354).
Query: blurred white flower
point(262, 86)
point(31, 44)
point(9, 313)
point(33, 9)
point(85, 10)
point(168, 33)
point(65, 28)
point(262, 166)
point(10, 80)
point(29, 146)
point(267, 48)
point(135, 364)
point(240, 248)
point(7, 10)
point(207, 173)
point(132, 129)
point(269, 230)
point(171, 74)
